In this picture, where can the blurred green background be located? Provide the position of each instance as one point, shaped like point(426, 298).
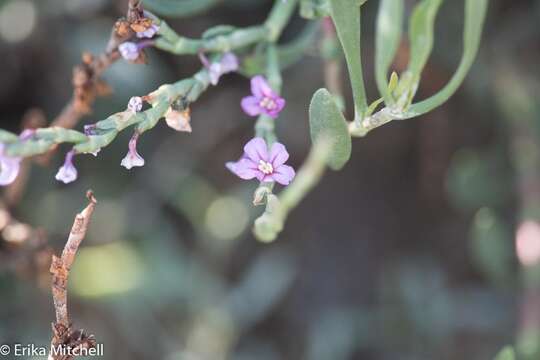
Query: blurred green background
point(408, 253)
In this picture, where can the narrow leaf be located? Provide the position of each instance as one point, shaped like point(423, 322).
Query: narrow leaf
point(346, 17)
point(421, 29)
point(388, 37)
point(475, 14)
point(327, 121)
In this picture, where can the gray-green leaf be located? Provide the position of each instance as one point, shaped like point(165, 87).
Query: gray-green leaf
point(475, 14)
point(388, 37)
point(326, 120)
point(421, 28)
point(346, 17)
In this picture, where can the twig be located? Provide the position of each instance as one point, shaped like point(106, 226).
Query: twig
point(63, 334)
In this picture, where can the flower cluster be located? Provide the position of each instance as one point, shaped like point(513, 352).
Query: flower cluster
point(261, 161)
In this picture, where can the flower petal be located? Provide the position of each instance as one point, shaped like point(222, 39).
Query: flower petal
point(250, 105)
point(260, 87)
point(283, 174)
point(229, 62)
point(67, 173)
point(256, 150)
point(244, 168)
point(9, 169)
point(132, 160)
point(278, 155)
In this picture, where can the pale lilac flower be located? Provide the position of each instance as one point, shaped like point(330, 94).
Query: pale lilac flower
point(67, 173)
point(135, 104)
point(266, 166)
point(131, 51)
point(132, 158)
point(148, 33)
point(264, 100)
point(90, 129)
point(9, 167)
point(227, 64)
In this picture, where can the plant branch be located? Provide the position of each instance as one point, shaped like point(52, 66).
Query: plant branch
point(63, 334)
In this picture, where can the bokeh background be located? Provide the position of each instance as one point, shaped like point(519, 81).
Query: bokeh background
point(407, 253)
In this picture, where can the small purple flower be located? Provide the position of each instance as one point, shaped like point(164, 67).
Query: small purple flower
point(227, 64)
point(131, 51)
point(258, 163)
point(264, 100)
point(148, 33)
point(135, 104)
point(132, 158)
point(9, 167)
point(67, 173)
point(90, 129)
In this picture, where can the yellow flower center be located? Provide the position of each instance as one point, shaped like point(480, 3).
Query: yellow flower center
point(265, 167)
point(268, 103)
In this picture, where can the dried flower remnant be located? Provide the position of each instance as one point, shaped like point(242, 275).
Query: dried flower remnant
point(265, 166)
point(263, 100)
point(227, 64)
point(179, 120)
point(149, 32)
point(67, 173)
point(132, 158)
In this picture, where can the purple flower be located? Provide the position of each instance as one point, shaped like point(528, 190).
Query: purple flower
point(131, 51)
point(148, 33)
point(258, 163)
point(67, 173)
point(135, 104)
point(227, 64)
point(264, 100)
point(9, 167)
point(132, 158)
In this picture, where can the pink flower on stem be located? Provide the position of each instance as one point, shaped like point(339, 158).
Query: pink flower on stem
point(264, 100)
point(67, 173)
point(132, 158)
point(227, 64)
point(266, 166)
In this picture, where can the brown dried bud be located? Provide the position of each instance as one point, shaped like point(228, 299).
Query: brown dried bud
point(141, 25)
point(179, 120)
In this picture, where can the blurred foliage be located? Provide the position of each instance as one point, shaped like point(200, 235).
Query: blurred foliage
point(408, 253)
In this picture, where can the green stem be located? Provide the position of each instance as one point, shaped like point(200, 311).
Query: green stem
point(269, 31)
point(106, 130)
point(270, 223)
